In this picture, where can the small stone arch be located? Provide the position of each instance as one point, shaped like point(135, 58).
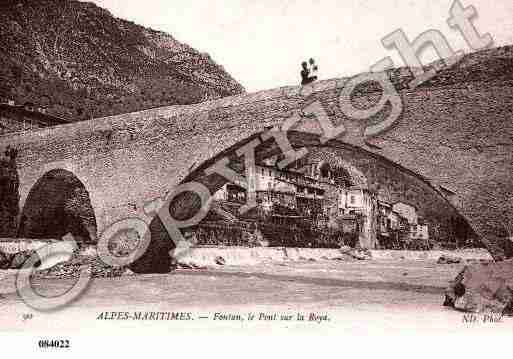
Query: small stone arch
point(324, 169)
point(58, 204)
point(340, 168)
point(341, 173)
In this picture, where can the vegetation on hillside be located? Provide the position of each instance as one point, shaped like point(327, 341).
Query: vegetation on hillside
point(79, 62)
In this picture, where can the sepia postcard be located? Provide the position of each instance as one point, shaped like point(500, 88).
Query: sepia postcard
point(292, 168)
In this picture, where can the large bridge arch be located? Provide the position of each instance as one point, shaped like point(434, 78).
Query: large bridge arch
point(370, 169)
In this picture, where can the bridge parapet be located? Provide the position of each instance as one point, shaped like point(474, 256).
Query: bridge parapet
point(128, 159)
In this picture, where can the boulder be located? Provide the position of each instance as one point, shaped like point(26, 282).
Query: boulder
point(356, 253)
point(478, 261)
point(191, 265)
point(220, 261)
point(127, 272)
point(183, 265)
point(345, 249)
point(19, 259)
point(486, 287)
point(73, 267)
point(88, 251)
point(448, 259)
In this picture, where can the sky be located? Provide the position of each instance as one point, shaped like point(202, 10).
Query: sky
point(262, 43)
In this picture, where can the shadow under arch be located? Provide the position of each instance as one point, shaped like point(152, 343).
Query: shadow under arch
point(187, 204)
point(336, 173)
point(56, 205)
point(340, 171)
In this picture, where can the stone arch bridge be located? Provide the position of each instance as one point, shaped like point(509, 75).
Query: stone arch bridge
point(435, 154)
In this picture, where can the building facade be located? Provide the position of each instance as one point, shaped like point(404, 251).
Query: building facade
point(312, 193)
point(25, 118)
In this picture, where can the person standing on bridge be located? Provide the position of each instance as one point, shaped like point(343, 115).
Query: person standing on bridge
point(306, 72)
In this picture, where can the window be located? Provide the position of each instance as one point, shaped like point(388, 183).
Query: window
point(352, 199)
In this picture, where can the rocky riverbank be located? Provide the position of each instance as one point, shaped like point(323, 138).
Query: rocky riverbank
point(482, 286)
point(215, 256)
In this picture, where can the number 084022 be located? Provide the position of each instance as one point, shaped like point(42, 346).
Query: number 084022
point(53, 343)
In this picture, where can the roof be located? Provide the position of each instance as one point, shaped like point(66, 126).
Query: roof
point(357, 188)
point(312, 182)
point(447, 190)
point(405, 203)
point(384, 204)
point(348, 217)
point(22, 110)
point(399, 215)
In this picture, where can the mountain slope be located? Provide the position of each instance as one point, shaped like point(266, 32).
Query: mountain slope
point(79, 61)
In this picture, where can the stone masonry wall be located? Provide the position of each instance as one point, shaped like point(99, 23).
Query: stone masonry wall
point(457, 134)
point(9, 197)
